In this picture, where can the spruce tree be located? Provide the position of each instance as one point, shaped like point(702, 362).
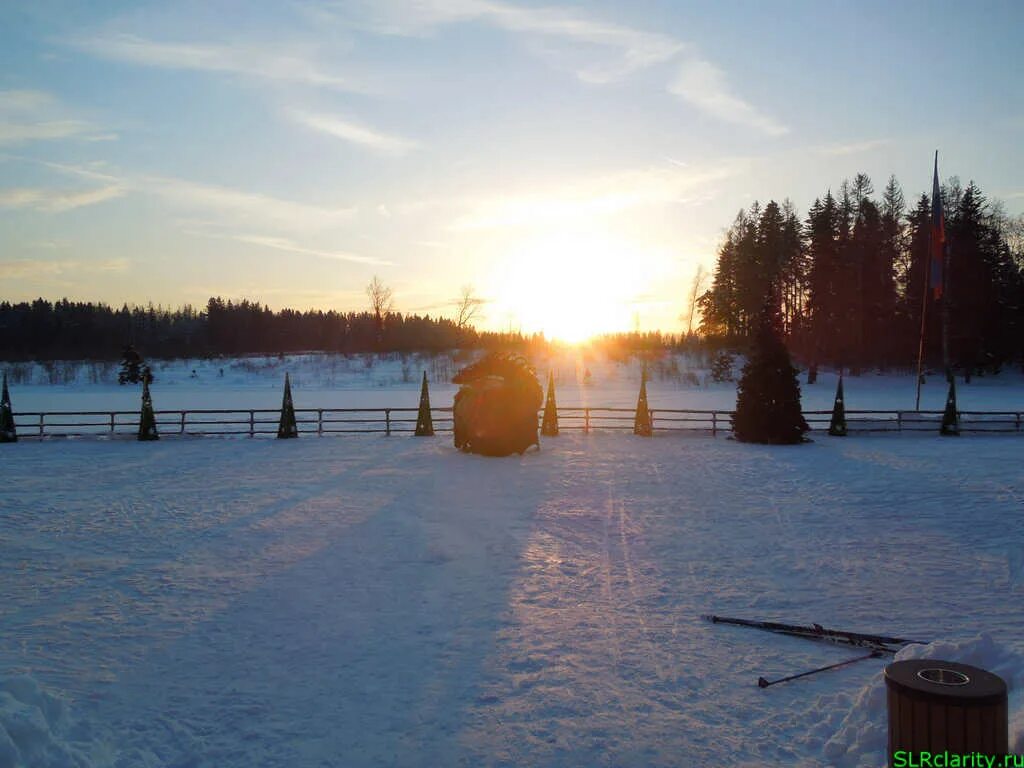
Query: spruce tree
point(131, 366)
point(642, 423)
point(950, 417)
point(549, 426)
point(424, 420)
point(768, 393)
point(287, 427)
point(837, 426)
point(147, 419)
point(8, 434)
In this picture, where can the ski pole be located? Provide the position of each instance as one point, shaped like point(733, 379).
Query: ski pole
point(762, 683)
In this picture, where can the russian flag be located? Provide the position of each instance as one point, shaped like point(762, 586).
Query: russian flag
point(937, 241)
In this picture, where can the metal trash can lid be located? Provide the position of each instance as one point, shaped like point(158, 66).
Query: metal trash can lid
point(934, 679)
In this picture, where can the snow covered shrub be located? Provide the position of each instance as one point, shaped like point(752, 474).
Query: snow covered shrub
point(768, 394)
point(496, 407)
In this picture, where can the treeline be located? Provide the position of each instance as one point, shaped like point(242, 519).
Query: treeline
point(848, 279)
point(65, 330)
point(44, 330)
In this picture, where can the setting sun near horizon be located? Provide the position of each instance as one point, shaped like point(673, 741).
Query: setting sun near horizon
point(572, 285)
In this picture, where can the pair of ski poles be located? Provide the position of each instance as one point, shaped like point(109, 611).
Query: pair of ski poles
point(879, 645)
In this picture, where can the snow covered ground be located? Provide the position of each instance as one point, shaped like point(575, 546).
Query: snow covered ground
point(367, 381)
point(374, 601)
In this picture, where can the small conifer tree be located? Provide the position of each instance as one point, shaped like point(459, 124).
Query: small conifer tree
point(8, 434)
point(424, 420)
point(549, 426)
point(837, 427)
point(642, 422)
point(721, 366)
point(768, 393)
point(950, 417)
point(131, 367)
point(287, 428)
point(147, 419)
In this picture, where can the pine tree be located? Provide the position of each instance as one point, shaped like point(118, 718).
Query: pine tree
point(549, 426)
point(768, 393)
point(147, 419)
point(287, 427)
point(8, 433)
point(424, 420)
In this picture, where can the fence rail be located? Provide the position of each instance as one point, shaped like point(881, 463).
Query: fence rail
point(262, 422)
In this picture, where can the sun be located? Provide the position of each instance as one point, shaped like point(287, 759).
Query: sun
point(569, 286)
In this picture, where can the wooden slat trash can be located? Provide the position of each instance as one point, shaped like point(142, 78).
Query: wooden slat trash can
point(938, 706)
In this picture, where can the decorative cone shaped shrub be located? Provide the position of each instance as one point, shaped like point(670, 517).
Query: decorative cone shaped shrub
point(287, 427)
point(495, 410)
point(549, 426)
point(768, 393)
point(837, 427)
point(147, 419)
point(424, 421)
point(642, 422)
point(950, 417)
point(8, 434)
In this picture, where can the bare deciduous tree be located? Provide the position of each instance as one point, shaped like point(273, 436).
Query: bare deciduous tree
point(700, 279)
point(467, 307)
point(381, 303)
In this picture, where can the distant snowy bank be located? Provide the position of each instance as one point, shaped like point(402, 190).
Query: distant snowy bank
point(676, 380)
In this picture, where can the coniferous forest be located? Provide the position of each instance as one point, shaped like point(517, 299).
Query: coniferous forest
point(85, 330)
point(848, 280)
point(66, 330)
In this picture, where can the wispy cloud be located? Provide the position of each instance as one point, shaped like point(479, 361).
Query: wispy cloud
point(703, 85)
point(27, 115)
point(632, 49)
point(56, 200)
point(243, 206)
point(30, 268)
point(596, 197)
point(249, 58)
point(851, 148)
point(611, 52)
point(353, 133)
point(283, 244)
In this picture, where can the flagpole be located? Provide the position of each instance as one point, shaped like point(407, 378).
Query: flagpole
point(945, 312)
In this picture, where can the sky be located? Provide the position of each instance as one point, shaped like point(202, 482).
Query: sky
point(573, 162)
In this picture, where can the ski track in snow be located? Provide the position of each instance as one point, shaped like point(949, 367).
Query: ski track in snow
point(390, 602)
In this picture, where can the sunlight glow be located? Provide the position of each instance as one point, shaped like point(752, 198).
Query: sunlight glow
point(572, 286)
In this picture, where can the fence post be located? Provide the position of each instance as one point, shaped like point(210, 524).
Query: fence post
point(41, 417)
point(182, 430)
point(252, 424)
point(899, 421)
point(111, 422)
point(651, 414)
point(586, 421)
point(387, 422)
point(320, 422)
point(714, 423)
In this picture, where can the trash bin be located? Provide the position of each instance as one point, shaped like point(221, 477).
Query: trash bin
point(938, 706)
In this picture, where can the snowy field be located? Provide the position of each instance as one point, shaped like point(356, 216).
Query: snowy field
point(368, 381)
point(372, 601)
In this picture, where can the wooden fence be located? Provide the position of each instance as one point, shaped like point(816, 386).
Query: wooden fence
point(262, 422)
